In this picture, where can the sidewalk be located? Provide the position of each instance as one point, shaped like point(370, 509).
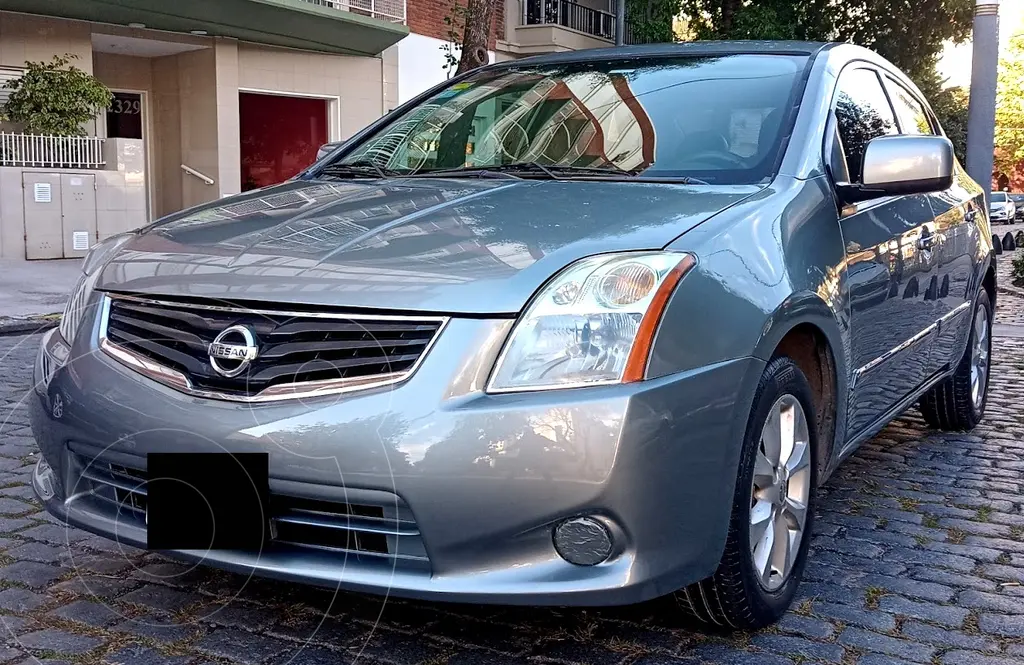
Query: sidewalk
point(31, 289)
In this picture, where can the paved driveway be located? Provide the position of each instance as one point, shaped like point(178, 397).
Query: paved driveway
point(918, 557)
point(33, 288)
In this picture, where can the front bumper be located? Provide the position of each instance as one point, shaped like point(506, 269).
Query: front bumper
point(483, 477)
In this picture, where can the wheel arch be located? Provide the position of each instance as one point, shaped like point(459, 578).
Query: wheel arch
point(807, 330)
point(988, 281)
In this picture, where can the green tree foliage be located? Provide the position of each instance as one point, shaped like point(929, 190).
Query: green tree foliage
point(455, 26)
point(1010, 107)
point(55, 98)
point(652, 21)
point(950, 106)
point(910, 33)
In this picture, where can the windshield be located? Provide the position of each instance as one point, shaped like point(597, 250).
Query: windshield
point(998, 197)
point(714, 118)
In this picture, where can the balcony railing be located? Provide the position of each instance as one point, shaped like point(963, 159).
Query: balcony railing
point(392, 11)
point(66, 152)
point(577, 17)
point(570, 15)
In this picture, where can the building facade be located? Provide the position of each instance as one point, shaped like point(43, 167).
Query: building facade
point(218, 98)
point(521, 28)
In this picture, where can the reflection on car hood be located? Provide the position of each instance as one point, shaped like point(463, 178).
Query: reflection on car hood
point(479, 246)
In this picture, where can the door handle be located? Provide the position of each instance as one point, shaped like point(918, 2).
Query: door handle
point(926, 242)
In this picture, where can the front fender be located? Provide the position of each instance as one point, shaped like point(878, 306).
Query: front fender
point(771, 263)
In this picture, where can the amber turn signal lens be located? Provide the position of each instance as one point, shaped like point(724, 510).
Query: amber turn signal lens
point(626, 284)
point(636, 366)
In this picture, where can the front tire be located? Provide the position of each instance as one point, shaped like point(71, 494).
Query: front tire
point(773, 509)
point(958, 403)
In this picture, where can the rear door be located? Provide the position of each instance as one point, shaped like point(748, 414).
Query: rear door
point(889, 263)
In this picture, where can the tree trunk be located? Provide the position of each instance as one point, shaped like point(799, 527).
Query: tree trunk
point(479, 18)
point(729, 10)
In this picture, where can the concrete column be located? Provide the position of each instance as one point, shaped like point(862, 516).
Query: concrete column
point(229, 155)
point(620, 22)
point(981, 119)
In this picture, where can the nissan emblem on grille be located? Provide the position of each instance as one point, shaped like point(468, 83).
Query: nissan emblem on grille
point(238, 355)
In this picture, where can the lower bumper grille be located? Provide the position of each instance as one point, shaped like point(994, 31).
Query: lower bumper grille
point(383, 527)
point(346, 527)
point(117, 484)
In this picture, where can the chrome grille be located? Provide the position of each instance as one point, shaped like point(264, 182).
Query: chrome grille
point(298, 352)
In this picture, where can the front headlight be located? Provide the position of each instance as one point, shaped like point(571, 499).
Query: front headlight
point(592, 324)
point(74, 311)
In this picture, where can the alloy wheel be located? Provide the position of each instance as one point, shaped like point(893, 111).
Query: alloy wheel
point(779, 492)
point(979, 357)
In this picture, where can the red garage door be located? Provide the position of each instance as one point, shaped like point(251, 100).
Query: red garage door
point(280, 136)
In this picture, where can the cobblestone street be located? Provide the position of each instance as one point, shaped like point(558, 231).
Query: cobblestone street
point(918, 557)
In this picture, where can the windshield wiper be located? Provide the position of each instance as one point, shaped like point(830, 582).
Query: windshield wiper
point(357, 169)
point(466, 172)
point(552, 171)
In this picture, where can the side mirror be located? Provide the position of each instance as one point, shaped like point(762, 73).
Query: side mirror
point(326, 149)
point(898, 165)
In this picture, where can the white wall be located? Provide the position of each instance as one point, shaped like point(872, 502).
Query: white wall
point(421, 65)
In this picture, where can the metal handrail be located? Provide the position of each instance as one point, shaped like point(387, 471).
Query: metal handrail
point(192, 172)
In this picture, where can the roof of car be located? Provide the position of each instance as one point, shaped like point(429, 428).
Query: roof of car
point(682, 49)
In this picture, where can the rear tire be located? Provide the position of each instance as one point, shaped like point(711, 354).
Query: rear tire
point(740, 596)
point(958, 403)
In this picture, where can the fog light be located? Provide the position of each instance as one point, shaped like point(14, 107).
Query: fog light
point(584, 541)
point(43, 480)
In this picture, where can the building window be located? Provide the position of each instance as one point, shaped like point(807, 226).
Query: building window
point(124, 117)
point(5, 76)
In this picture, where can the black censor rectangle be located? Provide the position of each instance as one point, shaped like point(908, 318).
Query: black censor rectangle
point(207, 501)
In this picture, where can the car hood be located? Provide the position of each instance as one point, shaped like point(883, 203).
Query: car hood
point(480, 246)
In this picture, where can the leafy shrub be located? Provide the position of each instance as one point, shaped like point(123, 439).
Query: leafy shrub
point(55, 98)
point(1017, 268)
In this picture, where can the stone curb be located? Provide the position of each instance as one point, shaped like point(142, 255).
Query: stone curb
point(29, 325)
point(1011, 290)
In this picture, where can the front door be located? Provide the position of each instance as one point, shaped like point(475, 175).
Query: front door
point(956, 239)
point(890, 265)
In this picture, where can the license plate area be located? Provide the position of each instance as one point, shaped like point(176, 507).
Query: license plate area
point(207, 501)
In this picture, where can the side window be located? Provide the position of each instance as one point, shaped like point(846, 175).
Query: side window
point(862, 113)
point(5, 76)
point(913, 119)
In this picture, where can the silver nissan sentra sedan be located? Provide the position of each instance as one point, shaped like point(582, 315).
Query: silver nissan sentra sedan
point(581, 329)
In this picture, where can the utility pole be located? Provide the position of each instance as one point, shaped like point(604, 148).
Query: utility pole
point(620, 22)
point(981, 117)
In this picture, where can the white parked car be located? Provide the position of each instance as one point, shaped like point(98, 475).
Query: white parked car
point(1001, 208)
